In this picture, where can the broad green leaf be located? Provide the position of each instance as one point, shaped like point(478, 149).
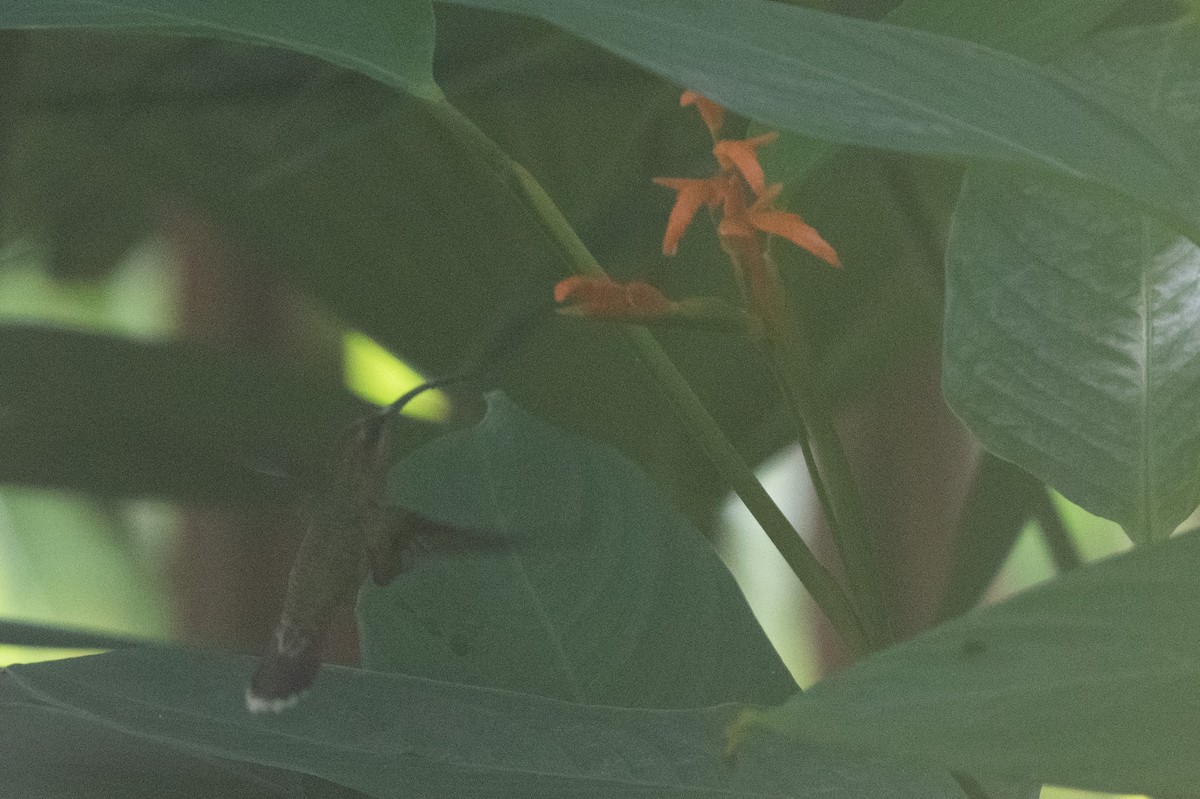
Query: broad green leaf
point(388, 40)
point(49, 753)
point(604, 595)
point(394, 736)
point(1070, 334)
point(883, 86)
point(1091, 681)
point(1034, 29)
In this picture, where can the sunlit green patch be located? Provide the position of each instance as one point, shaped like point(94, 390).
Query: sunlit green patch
point(379, 377)
point(136, 299)
point(1054, 792)
point(29, 654)
point(68, 560)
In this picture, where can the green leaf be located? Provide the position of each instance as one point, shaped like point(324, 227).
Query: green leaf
point(392, 736)
point(883, 86)
point(1034, 29)
point(1091, 681)
point(49, 753)
point(1070, 343)
point(388, 40)
point(606, 595)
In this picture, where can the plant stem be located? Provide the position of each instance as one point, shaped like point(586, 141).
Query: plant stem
point(819, 582)
point(1058, 539)
point(849, 519)
point(845, 510)
point(828, 594)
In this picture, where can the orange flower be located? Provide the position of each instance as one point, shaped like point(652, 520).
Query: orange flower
point(602, 298)
point(712, 114)
point(742, 155)
point(739, 180)
point(762, 215)
point(692, 193)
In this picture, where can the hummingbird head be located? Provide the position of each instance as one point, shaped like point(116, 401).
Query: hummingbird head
point(360, 456)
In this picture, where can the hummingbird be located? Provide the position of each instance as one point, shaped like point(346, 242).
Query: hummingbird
point(352, 532)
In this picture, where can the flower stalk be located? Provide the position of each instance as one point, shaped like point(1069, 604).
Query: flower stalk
point(748, 221)
point(824, 588)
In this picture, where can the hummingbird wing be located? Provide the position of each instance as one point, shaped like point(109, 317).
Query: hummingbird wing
point(391, 550)
point(407, 532)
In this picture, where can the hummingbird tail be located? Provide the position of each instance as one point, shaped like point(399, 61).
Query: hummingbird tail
point(285, 673)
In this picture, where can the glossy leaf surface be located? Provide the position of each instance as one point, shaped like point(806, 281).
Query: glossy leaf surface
point(1070, 321)
point(1033, 29)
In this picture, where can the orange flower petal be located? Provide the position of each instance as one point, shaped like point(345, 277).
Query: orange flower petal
point(793, 228)
point(602, 298)
point(691, 194)
point(591, 296)
point(742, 155)
point(712, 114)
point(577, 287)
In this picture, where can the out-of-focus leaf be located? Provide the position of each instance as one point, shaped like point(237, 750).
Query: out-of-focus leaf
point(116, 416)
point(21, 633)
point(393, 736)
point(1091, 681)
point(607, 595)
point(391, 42)
point(1071, 319)
point(883, 86)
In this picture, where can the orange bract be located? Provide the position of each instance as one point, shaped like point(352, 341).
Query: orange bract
point(763, 216)
point(712, 114)
point(691, 194)
point(603, 298)
point(740, 189)
point(742, 155)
